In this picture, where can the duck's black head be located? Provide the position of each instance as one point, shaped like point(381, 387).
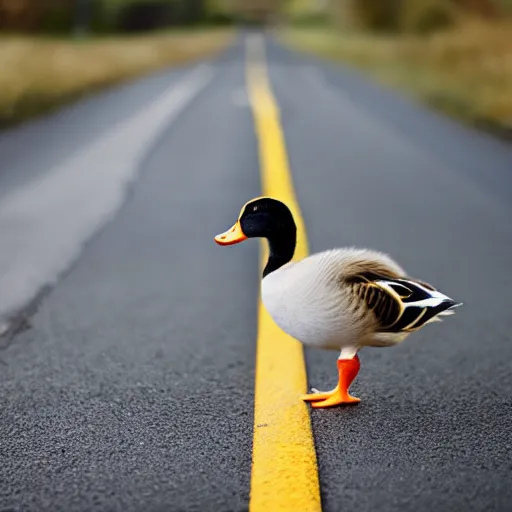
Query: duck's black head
point(269, 218)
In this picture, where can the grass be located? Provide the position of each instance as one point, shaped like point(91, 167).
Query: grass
point(465, 72)
point(40, 74)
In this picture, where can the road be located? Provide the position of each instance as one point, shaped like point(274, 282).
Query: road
point(127, 373)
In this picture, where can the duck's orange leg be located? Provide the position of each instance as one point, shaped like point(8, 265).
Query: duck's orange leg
point(347, 372)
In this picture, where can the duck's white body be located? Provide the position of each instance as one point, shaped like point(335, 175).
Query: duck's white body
point(309, 300)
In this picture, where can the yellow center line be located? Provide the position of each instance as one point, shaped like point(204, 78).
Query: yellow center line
point(284, 468)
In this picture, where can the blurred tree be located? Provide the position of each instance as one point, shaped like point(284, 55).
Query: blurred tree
point(46, 16)
point(106, 15)
point(254, 11)
point(423, 16)
point(21, 14)
point(486, 8)
point(111, 15)
point(82, 17)
point(307, 12)
point(145, 16)
point(409, 15)
point(397, 15)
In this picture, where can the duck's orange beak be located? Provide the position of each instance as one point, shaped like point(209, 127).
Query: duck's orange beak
point(234, 235)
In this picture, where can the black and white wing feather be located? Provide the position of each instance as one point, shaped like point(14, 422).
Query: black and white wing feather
point(404, 305)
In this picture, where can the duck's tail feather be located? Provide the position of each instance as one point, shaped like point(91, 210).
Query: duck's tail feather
point(446, 312)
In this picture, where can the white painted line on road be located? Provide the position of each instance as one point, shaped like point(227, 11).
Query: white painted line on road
point(45, 224)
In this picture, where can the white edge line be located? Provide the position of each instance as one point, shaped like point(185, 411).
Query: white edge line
point(45, 224)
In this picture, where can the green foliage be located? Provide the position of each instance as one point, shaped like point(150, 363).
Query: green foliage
point(376, 14)
point(506, 6)
point(424, 16)
point(418, 16)
point(310, 19)
point(105, 16)
point(60, 19)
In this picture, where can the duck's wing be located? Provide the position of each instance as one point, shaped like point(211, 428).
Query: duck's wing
point(401, 304)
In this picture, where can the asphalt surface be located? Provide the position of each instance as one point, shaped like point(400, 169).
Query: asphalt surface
point(131, 386)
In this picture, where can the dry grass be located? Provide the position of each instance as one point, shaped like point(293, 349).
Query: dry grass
point(38, 74)
point(467, 71)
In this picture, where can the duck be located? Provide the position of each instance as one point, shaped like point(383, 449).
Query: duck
point(342, 299)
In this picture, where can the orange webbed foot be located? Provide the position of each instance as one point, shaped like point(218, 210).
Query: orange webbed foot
point(318, 395)
point(335, 399)
point(347, 372)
